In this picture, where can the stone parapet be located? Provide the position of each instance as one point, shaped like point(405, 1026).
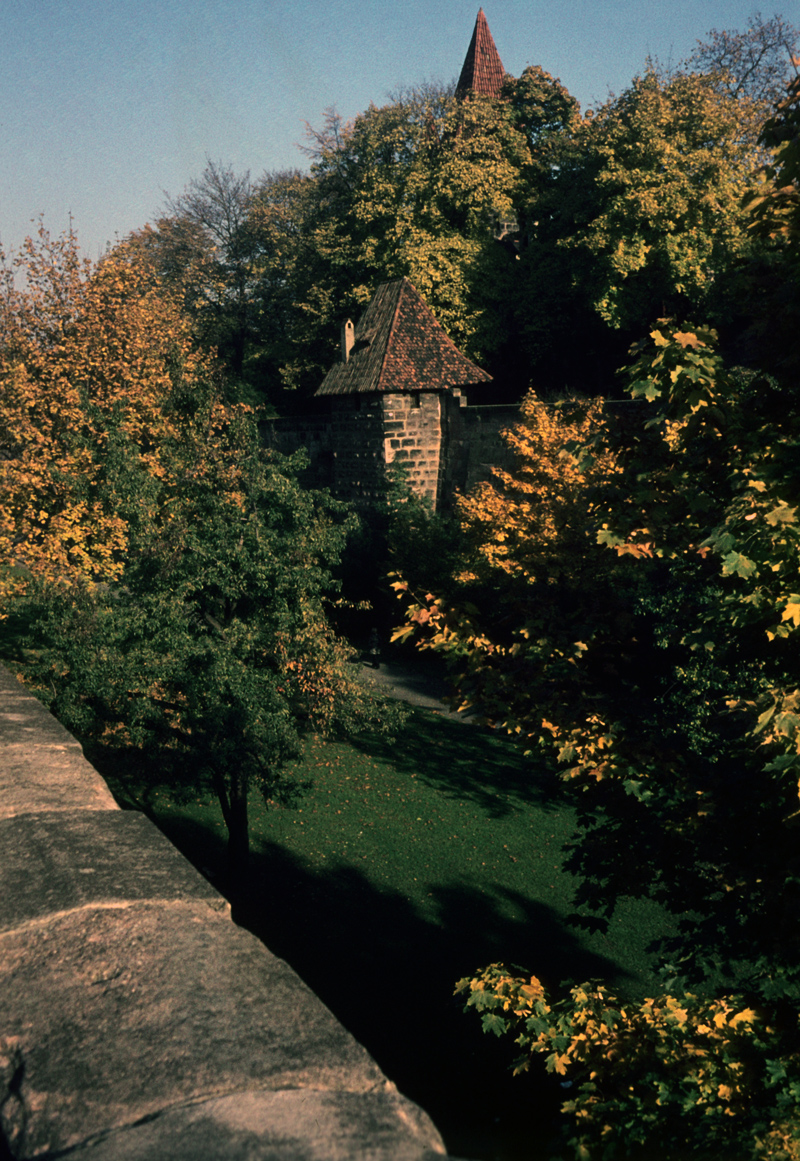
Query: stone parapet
point(136, 1019)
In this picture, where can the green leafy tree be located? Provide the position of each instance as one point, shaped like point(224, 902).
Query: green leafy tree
point(769, 282)
point(427, 187)
point(417, 188)
point(174, 573)
point(403, 193)
point(669, 688)
point(638, 616)
point(642, 219)
point(203, 248)
point(214, 654)
point(280, 211)
point(638, 613)
point(687, 1077)
point(667, 676)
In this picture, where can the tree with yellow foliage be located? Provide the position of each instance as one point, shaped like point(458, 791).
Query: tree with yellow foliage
point(530, 571)
point(631, 604)
point(93, 365)
point(172, 571)
point(642, 621)
point(642, 219)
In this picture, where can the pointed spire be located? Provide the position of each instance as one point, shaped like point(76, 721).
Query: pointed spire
point(483, 70)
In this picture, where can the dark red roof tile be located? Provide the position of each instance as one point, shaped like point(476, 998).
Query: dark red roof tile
point(483, 70)
point(399, 346)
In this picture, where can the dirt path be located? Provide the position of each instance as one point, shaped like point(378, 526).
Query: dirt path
point(413, 684)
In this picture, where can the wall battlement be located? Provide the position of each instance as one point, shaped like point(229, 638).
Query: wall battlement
point(137, 1021)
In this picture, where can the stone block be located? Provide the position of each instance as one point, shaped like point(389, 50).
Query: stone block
point(23, 718)
point(120, 1013)
point(136, 1019)
point(50, 778)
point(59, 862)
point(299, 1125)
point(42, 766)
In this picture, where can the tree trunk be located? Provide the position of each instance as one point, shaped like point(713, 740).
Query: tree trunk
point(238, 829)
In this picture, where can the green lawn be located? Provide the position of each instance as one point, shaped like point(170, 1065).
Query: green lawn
point(399, 868)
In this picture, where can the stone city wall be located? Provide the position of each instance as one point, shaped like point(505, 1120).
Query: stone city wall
point(310, 433)
point(474, 444)
point(358, 467)
point(137, 1021)
point(445, 445)
point(412, 436)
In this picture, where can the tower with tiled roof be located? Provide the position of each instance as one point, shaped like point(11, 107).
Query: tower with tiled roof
point(398, 346)
point(483, 71)
point(392, 393)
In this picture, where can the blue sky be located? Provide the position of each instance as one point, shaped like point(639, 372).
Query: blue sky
point(107, 104)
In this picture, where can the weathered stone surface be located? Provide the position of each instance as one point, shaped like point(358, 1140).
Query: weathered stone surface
point(26, 721)
point(50, 863)
point(298, 1125)
point(12, 1110)
point(136, 1020)
point(50, 779)
point(24, 718)
point(43, 767)
point(119, 1013)
point(413, 436)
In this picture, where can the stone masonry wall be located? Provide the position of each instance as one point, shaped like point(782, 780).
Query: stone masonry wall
point(446, 446)
point(137, 1021)
point(312, 434)
point(474, 444)
point(356, 426)
point(412, 436)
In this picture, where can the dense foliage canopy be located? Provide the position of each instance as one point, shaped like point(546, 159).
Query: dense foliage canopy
point(520, 220)
point(93, 365)
point(626, 598)
point(631, 599)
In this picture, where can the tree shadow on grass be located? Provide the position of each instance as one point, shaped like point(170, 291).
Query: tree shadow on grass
point(387, 971)
point(468, 763)
point(465, 763)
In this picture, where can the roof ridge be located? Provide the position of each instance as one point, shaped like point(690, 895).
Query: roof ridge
point(391, 329)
